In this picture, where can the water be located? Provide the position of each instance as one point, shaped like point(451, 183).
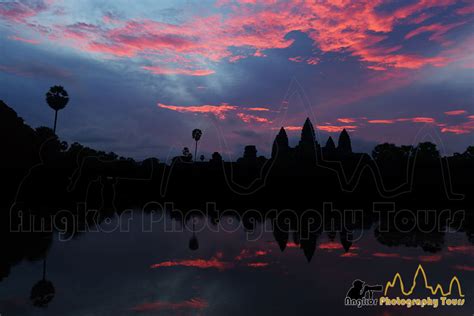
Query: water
point(155, 273)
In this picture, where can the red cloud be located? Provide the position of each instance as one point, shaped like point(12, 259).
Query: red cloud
point(257, 264)
point(386, 255)
point(464, 268)
point(292, 244)
point(433, 258)
point(213, 263)
point(192, 304)
point(462, 249)
point(455, 112)
point(247, 254)
point(349, 255)
point(330, 246)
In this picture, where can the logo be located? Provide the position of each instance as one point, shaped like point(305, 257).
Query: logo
point(362, 294)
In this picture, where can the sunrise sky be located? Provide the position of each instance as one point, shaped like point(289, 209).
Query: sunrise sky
point(143, 74)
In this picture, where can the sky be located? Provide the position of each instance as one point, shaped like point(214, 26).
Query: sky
point(142, 75)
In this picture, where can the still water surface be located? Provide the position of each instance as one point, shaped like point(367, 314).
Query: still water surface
point(155, 273)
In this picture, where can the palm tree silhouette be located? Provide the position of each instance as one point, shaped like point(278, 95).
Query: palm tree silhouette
point(57, 99)
point(43, 291)
point(197, 133)
point(193, 242)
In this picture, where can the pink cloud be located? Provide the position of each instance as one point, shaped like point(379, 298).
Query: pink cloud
point(463, 128)
point(248, 118)
point(437, 30)
point(335, 128)
point(313, 60)
point(258, 109)
point(217, 110)
point(307, 60)
point(192, 304)
point(346, 120)
point(468, 9)
point(455, 112)
point(464, 268)
point(174, 71)
point(377, 68)
point(24, 40)
point(291, 128)
point(297, 59)
point(359, 29)
point(420, 119)
point(381, 121)
point(221, 111)
point(19, 12)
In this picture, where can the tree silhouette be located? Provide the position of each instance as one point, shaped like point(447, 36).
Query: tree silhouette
point(469, 153)
point(57, 99)
point(42, 292)
point(202, 158)
point(193, 242)
point(197, 133)
point(187, 156)
point(216, 158)
point(427, 151)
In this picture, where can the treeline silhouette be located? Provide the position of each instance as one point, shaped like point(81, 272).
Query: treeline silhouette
point(42, 175)
point(40, 170)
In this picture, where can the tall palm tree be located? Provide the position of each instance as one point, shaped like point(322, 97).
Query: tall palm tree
point(197, 133)
point(42, 292)
point(194, 242)
point(57, 99)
